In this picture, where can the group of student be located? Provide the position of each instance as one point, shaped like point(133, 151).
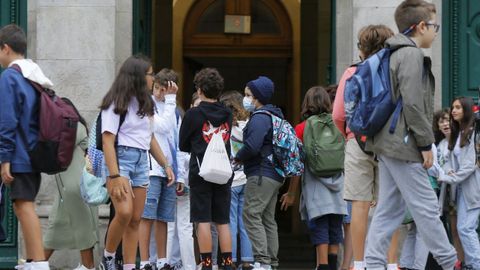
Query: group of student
point(154, 151)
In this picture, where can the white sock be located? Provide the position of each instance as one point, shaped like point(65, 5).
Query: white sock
point(108, 254)
point(83, 267)
point(161, 262)
point(143, 263)
point(40, 265)
point(129, 266)
point(358, 265)
point(392, 266)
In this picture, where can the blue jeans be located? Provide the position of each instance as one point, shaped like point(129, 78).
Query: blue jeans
point(467, 224)
point(237, 227)
point(161, 200)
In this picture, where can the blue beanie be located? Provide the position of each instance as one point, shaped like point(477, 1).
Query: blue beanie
point(262, 89)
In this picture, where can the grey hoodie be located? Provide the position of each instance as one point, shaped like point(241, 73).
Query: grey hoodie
point(466, 173)
point(412, 79)
point(321, 196)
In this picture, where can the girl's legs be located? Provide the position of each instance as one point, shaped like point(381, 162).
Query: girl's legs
point(123, 215)
point(392, 257)
point(359, 227)
point(130, 235)
point(347, 247)
point(145, 232)
point(467, 225)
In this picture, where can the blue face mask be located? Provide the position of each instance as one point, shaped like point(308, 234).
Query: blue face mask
point(248, 104)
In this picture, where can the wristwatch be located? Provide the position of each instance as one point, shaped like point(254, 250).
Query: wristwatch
point(113, 176)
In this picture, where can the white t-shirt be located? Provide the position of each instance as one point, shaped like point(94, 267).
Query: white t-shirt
point(135, 131)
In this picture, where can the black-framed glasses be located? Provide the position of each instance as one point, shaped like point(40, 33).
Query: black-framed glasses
point(151, 74)
point(435, 25)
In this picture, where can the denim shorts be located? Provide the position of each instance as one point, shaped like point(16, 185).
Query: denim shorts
point(133, 164)
point(161, 200)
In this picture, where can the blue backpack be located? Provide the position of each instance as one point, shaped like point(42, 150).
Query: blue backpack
point(368, 96)
point(288, 155)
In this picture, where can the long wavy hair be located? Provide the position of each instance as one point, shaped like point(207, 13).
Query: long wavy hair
point(234, 101)
point(464, 128)
point(131, 82)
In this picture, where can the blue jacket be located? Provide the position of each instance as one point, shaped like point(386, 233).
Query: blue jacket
point(257, 137)
point(19, 111)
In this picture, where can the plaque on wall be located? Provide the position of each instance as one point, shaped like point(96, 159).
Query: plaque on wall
point(237, 24)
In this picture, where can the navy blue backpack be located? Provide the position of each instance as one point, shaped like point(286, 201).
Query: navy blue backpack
point(368, 96)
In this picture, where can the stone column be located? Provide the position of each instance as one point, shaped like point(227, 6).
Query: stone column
point(80, 46)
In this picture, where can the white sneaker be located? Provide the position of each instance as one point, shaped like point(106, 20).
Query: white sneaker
point(258, 266)
point(82, 267)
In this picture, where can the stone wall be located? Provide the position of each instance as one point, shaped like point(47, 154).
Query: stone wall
point(352, 15)
point(79, 44)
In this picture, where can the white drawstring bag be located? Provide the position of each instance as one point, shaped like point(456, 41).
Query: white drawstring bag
point(216, 167)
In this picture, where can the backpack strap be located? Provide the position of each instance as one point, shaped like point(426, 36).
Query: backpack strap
point(396, 115)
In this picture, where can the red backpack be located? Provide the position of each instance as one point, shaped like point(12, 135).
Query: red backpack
point(53, 152)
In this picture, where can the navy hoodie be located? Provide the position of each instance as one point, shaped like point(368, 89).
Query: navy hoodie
point(257, 139)
point(194, 131)
point(19, 112)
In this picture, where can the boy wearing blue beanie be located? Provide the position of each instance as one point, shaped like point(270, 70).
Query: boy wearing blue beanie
point(263, 182)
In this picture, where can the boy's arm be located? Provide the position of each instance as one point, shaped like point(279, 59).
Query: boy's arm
point(410, 77)
point(165, 123)
point(9, 117)
point(182, 161)
point(185, 133)
point(254, 137)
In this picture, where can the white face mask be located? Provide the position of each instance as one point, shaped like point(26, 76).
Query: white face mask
point(248, 104)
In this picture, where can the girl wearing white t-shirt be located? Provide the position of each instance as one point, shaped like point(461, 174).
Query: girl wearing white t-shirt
point(127, 111)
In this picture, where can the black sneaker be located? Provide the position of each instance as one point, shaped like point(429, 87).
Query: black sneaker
point(147, 267)
point(246, 266)
point(108, 263)
point(166, 267)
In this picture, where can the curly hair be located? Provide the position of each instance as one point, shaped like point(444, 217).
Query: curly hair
point(165, 75)
point(210, 82)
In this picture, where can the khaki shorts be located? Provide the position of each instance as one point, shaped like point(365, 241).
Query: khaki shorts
point(361, 174)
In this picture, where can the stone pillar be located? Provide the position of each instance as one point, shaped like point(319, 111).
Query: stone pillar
point(80, 46)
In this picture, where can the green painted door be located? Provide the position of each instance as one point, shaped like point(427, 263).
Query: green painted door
point(11, 11)
point(461, 53)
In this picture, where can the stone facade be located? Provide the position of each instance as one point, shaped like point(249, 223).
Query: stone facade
point(79, 44)
point(352, 15)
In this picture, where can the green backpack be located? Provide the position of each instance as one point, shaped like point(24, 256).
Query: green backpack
point(324, 146)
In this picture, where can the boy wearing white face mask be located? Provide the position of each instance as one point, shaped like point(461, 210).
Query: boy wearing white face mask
point(263, 182)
